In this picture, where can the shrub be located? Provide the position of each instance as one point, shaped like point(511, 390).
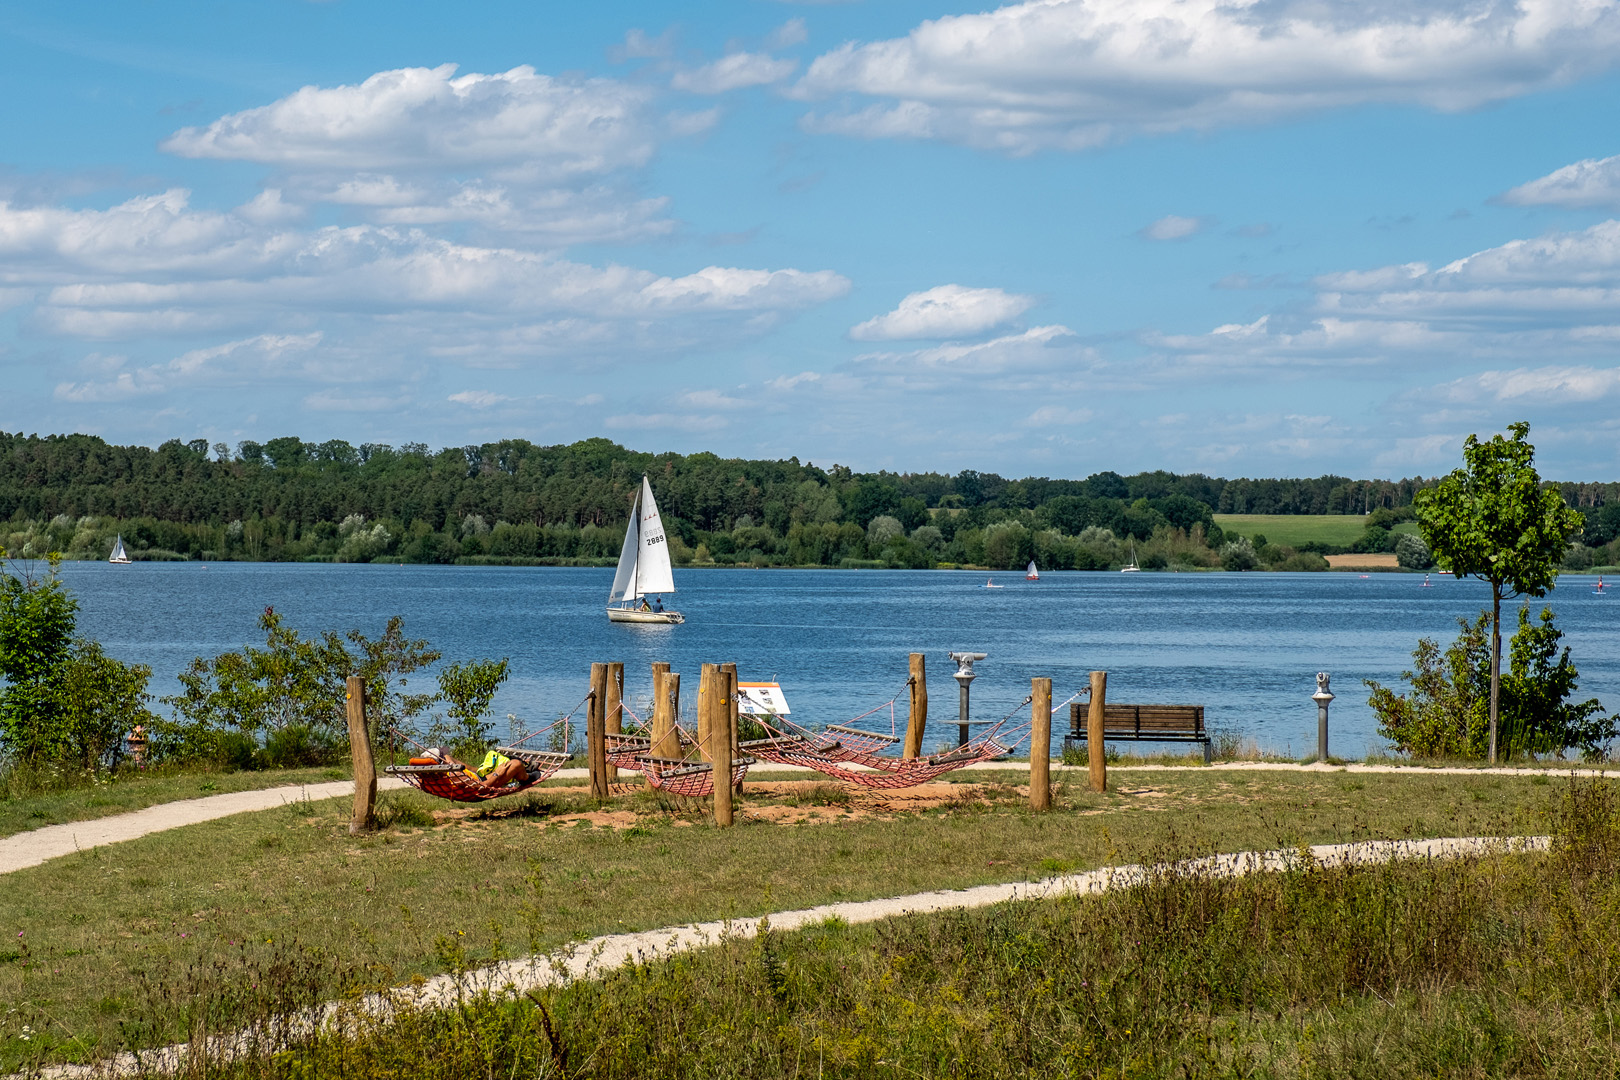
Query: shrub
point(1412, 553)
point(1446, 712)
point(1239, 555)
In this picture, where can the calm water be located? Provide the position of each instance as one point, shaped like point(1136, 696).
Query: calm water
point(1245, 645)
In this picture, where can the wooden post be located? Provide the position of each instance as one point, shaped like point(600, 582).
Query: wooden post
point(1040, 744)
point(595, 724)
point(665, 742)
point(704, 713)
point(917, 717)
point(612, 715)
point(1094, 731)
point(722, 689)
point(365, 770)
point(731, 715)
point(657, 723)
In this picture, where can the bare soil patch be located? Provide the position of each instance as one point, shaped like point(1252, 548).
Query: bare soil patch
point(1377, 561)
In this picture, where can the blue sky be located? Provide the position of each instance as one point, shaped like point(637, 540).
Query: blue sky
point(1269, 237)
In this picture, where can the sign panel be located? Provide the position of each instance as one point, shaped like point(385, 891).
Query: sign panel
point(761, 699)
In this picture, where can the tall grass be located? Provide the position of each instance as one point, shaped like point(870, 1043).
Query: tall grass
point(1501, 965)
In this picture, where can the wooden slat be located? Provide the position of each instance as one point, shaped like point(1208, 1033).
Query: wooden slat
point(1145, 722)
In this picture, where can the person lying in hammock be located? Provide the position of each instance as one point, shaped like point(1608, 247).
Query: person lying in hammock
point(496, 770)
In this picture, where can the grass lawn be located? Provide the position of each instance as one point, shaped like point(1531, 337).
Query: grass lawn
point(123, 937)
point(1296, 529)
point(135, 791)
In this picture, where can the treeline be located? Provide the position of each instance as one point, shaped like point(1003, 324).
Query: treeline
point(514, 501)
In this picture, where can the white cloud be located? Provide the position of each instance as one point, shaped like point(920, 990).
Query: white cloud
point(263, 359)
point(1041, 348)
point(1585, 184)
point(689, 422)
point(268, 208)
point(734, 72)
point(1554, 296)
point(477, 399)
point(640, 45)
point(1578, 385)
point(945, 311)
point(1072, 74)
point(1059, 416)
point(420, 118)
point(1173, 227)
point(793, 32)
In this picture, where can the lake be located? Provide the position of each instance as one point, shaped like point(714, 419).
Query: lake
point(1247, 646)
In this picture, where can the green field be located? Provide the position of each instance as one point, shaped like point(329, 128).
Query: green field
point(1296, 529)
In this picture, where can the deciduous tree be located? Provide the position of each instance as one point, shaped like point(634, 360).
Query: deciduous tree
point(1493, 520)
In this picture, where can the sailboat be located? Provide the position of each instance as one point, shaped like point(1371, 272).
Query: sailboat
point(643, 567)
point(119, 555)
point(1030, 573)
point(1131, 567)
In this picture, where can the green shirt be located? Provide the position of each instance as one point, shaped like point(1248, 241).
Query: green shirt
point(491, 762)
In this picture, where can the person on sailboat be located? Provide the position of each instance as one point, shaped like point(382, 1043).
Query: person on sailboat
point(658, 603)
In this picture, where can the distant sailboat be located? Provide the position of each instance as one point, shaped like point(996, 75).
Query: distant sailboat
point(1030, 573)
point(1131, 567)
point(119, 555)
point(644, 568)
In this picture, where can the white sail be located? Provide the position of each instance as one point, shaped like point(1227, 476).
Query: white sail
point(624, 578)
point(119, 555)
point(1030, 572)
point(653, 574)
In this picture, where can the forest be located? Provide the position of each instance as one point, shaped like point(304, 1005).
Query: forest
point(517, 502)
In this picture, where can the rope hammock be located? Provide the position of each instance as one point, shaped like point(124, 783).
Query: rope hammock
point(633, 752)
point(456, 782)
point(838, 746)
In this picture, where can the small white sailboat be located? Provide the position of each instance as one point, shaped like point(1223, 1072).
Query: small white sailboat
point(1131, 567)
point(1030, 573)
point(644, 569)
point(119, 555)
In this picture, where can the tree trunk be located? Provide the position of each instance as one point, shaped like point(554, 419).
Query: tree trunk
point(1496, 659)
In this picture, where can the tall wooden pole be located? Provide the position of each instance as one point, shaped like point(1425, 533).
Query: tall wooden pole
point(1040, 744)
point(731, 715)
point(723, 688)
point(917, 716)
point(365, 770)
point(658, 721)
point(612, 715)
point(595, 724)
point(1094, 731)
point(705, 715)
point(665, 742)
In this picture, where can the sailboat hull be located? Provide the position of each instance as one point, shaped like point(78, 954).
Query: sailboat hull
point(635, 615)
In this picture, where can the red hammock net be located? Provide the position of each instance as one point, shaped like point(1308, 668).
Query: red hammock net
point(692, 779)
point(457, 783)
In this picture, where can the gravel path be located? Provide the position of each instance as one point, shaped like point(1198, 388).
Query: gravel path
point(32, 848)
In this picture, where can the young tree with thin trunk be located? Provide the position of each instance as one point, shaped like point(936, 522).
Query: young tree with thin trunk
point(1493, 520)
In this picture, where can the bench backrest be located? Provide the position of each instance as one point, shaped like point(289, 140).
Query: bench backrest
point(1142, 719)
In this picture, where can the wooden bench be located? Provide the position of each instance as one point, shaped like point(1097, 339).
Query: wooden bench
point(1142, 723)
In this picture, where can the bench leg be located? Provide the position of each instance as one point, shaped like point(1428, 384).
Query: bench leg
point(1209, 752)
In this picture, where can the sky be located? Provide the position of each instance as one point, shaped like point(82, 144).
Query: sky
point(1240, 237)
